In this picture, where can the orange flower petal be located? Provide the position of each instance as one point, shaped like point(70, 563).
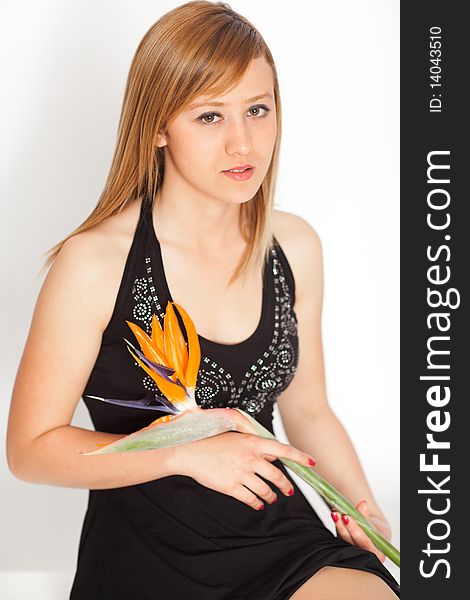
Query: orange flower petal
point(157, 335)
point(174, 344)
point(147, 346)
point(172, 391)
point(194, 349)
point(161, 420)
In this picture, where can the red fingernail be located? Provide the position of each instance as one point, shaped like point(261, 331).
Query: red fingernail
point(291, 492)
point(261, 507)
point(311, 462)
point(334, 516)
point(275, 500)
point(345, 519)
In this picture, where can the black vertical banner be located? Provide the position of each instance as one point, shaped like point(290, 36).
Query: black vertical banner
point(435, 349)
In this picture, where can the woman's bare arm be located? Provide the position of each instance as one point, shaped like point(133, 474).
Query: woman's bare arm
point(54, 459)
point(73, 307)
point(309, 422)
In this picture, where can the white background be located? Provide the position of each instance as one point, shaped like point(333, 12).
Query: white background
point(64, 68)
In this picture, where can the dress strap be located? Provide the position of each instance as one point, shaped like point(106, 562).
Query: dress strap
point(131, 269)
point(286, 267)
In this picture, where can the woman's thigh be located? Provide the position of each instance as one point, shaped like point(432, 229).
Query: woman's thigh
point(331, 583)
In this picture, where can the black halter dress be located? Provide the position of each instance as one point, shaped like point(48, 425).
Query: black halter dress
point(173, 538)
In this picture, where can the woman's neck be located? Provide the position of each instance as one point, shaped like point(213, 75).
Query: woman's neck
point(201, 222)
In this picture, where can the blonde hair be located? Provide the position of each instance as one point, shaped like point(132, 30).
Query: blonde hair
point(197, 48)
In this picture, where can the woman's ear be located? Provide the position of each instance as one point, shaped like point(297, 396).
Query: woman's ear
point(161, 140)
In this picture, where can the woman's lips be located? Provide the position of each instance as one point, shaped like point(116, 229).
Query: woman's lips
point(243, 176)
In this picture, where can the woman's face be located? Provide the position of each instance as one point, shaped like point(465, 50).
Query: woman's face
point(208, 139)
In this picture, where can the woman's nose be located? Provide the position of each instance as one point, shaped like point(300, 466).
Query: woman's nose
point(238, 138)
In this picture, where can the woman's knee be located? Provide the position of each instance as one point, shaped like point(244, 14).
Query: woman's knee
point(330, 583)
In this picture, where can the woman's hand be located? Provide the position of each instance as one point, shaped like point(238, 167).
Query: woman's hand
point(231, 462)
point(350, 531)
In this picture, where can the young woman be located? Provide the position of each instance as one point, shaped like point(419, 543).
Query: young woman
point(187, 215)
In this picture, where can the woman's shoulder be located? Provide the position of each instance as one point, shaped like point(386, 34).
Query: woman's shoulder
point(116, 230)
point(301, 244)
point(291, 228)
point(97, 257)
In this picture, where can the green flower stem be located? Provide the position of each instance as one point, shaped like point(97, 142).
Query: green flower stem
point(192, 426)
point(332, 496)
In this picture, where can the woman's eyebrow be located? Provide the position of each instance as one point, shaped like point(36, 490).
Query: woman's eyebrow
point(217, 103)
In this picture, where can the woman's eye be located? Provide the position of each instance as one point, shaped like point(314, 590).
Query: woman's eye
point(208, 118)
point(260, 107)
point(203, 118)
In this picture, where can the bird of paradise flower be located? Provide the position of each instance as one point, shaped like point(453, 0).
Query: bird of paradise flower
point(173, 364)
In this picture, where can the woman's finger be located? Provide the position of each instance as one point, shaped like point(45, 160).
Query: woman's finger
point(360, 538)
point(341, 528)
point(269, 457)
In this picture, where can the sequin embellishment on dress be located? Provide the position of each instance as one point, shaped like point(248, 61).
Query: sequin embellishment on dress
point(264, 380)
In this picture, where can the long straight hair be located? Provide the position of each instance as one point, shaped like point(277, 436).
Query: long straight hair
point(197, 48)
